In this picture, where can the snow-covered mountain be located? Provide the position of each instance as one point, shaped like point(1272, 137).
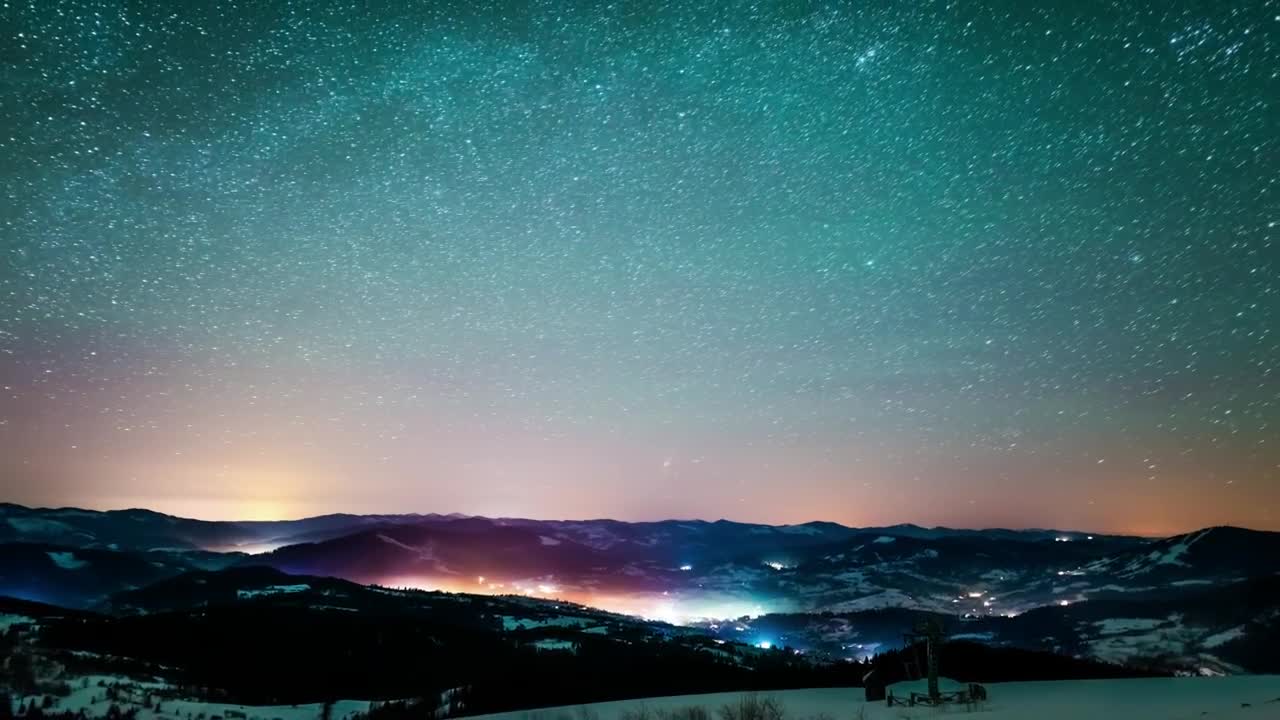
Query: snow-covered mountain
point(1229, 628)
point(139, 529)
point(689, 570)
point(1116, 598)
point(673, 569)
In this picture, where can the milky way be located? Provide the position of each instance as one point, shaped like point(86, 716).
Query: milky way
point(981, 263)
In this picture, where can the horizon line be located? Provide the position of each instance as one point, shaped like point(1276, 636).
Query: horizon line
point(461, 515)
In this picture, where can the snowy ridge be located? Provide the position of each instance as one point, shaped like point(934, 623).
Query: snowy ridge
point(66, 560)
point(1236, 698)
point(93, 696)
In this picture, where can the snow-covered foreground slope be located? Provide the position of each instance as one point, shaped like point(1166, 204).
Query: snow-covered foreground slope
point(95, 695)
point(1252, 697)
point(1237, 698)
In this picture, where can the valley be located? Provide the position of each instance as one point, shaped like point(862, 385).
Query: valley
point(1204, 602)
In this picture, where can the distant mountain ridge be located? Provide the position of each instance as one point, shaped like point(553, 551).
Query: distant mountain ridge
point(1207, 600)
point(812, 566)
point(702, 572)
point(142, 529)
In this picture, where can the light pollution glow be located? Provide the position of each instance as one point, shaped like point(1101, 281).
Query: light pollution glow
point(670, 607)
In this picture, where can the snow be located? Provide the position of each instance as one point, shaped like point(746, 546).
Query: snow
point(92, 701)
point(548, 540)
point(273, 590)
point(1139, 637)
point(510, 623)
point(89, 696)
point(1123, 589)
point(7, 621)
point(945, 684)
point(1224, 637)
point(1116, 626)
point(884, 540)
point(799, 530)
point(982, 637)
point(1241, 697)
point(593, 536)
point(1172, 556)
point(1143, 699)
point(888, 598)
point(555, 645)
point(39, 526)
point(66, 560)
point(403, 546)
point(852, 577)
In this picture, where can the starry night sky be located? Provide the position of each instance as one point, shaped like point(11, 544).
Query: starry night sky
point(972, 263)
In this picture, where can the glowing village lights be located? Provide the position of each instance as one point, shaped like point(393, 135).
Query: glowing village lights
point(686, 568)
point(666, 612)
point(669, 609)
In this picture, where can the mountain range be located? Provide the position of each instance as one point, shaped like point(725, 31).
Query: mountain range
point(1206, 601)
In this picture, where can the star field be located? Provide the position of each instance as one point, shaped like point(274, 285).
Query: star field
point(965, 263)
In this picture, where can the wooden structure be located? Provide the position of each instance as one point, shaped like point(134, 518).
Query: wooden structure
point(929, 633)
point(971, 697)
